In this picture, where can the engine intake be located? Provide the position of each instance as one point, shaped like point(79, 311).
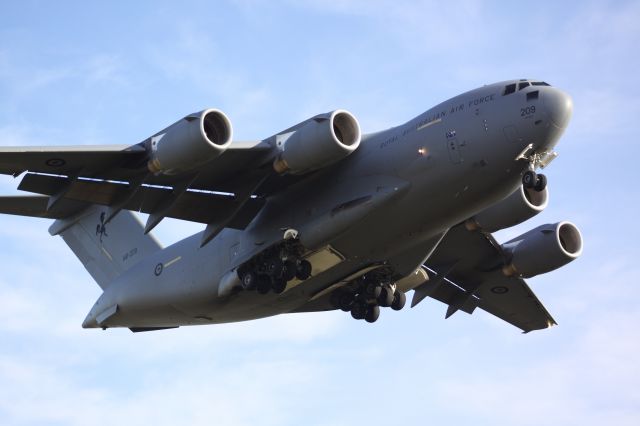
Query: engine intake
point(518, 207)
point(190, 142)
point(542, 249)
point(318, 142)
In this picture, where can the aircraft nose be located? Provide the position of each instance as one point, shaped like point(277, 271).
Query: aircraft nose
point(559, 106)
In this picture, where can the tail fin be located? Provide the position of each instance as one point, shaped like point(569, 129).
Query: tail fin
point(105, 250)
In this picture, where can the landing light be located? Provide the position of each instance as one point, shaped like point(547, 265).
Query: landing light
point(423, 152)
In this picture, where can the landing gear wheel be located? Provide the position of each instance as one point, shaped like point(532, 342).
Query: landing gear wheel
point(264, 284)
point(278, 285)
point(372, 314)
point(345, 301)
point(372, 289)
point(289, 270)
point(358, 311)
point(529, 179)
point(249, 280)
point(386, 297)
point(304, 270)
point(541, 183)
point(399, 300)
point(274, 268)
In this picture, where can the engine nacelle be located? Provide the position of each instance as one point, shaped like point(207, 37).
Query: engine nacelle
point(522, 205)
point(542, 249)
point(190, 142)
point(318, 142)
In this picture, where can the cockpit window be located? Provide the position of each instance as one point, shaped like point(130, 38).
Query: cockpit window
point(540, 83)
point(523, 85)
point(509, 88)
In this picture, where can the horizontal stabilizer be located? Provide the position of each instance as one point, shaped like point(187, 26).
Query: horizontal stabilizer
point(37, 206)
point(143, 329)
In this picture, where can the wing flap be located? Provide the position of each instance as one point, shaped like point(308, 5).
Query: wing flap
point(195, 206)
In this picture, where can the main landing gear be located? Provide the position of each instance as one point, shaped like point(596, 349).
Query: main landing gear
point(366, 296)
point(272, 269)
point(532, 180)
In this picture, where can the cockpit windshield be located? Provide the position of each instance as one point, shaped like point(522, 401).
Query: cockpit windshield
point(511, 88)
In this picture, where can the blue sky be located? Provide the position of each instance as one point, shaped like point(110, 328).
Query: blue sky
point(80, 73)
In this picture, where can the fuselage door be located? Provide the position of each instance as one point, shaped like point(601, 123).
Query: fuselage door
point(455, 154)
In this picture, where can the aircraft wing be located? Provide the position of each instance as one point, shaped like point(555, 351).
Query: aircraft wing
point(126, 163)
point(67, 159)
point(220, 193)
point(466, 271)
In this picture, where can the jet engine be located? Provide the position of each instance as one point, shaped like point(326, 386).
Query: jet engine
point(190, 142)
point(542, 249)
point(317, 143)
point(522, 205)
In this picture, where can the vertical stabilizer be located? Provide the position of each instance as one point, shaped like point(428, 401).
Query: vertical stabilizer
point(105, 249)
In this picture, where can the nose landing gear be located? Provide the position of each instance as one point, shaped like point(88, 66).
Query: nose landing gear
point(532, 180)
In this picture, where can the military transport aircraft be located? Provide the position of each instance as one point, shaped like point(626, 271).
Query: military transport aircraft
point(316, 217)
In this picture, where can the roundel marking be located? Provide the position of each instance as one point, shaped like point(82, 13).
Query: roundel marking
point(499, 289)
point(55, 162)
point(158, 269)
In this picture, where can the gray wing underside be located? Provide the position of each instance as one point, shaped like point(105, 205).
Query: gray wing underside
point(194, 206)
point(466, 271)
point(126, 163)
point(71, 178)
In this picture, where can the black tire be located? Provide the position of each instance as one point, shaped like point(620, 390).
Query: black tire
point(274, 268)
point(386, 297)
point(399, 300)
point(372, 314)
point(249, 280)
point(372, 289)
point(358, 311)
point(289, 270)
point(304, 270)
point(541, 183)
point(346, 301)
point(278, 285)
point(529, 179)
point(264, 284)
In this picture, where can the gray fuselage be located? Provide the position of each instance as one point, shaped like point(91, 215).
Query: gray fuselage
point(386, 204)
